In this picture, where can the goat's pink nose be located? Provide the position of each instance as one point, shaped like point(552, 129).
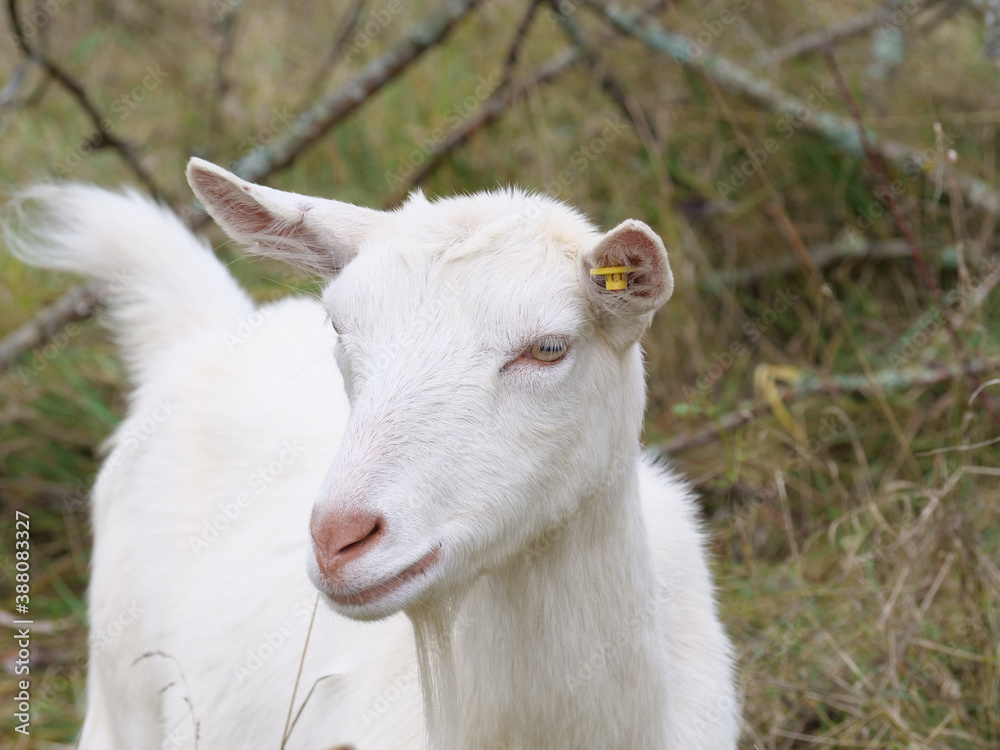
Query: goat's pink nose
point(339, 537)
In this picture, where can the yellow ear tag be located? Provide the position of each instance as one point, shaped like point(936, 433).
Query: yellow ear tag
point(614, 276)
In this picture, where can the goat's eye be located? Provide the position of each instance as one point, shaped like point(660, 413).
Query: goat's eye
point(548, 350)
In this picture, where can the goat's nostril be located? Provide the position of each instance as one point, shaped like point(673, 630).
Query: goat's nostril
point(371, 536)
point(339, 538)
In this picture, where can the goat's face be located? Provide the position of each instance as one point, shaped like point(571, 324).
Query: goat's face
point(491, 376)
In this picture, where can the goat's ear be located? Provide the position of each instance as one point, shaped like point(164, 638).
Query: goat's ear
point(321, 236)
point(630, 245)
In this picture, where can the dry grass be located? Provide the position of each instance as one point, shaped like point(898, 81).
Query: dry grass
point(857, 535)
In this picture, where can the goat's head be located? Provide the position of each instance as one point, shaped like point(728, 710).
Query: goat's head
point(491, 375)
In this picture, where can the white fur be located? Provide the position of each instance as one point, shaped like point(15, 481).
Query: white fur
point(571, 605)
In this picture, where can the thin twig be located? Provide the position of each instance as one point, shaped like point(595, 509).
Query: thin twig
point(305, 702)
point(875, 162)
point(837, 33)
point(877, 165)
point(184, 682)
point(8, 95)
point(345, 29)
point(106, 139)
point(315, 122)
point(223, 83)
point(840, 131)
point(298, 675)
point(514, 49)
point(646, 130)
point(823, 255)
point(504, 97)
point(75, 304)
point(888, 380)
point(489, 111)
point(608, 82)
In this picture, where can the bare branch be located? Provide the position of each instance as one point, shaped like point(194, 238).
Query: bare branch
point(888, 380)
point(490, 110)
point(77, 303)
point(505, 96)
point(258, 164)
point(823, 255)
point(348, 25)
point(840, 131)
point(837, 33)
point(311, 125)
point(223, 81)
point(609, 83)
point(628, 105)
point(520, 34)
point(105, 138)
point(876, 162)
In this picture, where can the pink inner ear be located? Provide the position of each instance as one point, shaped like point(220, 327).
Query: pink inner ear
point(633, 247)
point(629, 247)
point(234, 204)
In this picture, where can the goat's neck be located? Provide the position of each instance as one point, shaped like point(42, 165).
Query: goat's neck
point(559, 648)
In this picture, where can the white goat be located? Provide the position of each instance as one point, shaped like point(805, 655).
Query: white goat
point(486, 482)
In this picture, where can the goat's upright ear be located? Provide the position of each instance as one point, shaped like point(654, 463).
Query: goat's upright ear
point(647, 283)
point(319, 235)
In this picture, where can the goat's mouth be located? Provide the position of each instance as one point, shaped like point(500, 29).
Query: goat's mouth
point(379, 590)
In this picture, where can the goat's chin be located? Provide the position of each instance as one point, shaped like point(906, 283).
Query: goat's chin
point(384, 596)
